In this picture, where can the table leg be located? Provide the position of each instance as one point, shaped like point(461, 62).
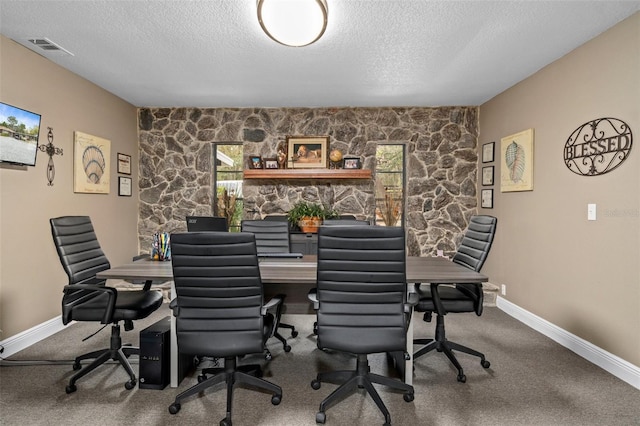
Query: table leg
point(174, 345)
point(408, 364)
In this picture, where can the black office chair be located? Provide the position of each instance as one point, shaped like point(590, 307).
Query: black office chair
point(362, 306)
point(272, 236)
point(444, 299)
point(86, 298)
point(219, 309)
point(206, 224)
point(344, 222)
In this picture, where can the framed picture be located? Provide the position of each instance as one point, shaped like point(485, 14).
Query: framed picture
point(488, 150)
point(255, 162)
point(516, 161)
point(487, 175)
point(124, 186)
point(270, 163)
point(486, 199)
point(351, 163)
point(91, 165)
point(124, 164)
point(308, 152)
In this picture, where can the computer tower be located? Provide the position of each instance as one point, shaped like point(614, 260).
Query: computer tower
point(155, 355)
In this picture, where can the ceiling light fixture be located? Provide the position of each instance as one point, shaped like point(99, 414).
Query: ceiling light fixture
point(293, 23)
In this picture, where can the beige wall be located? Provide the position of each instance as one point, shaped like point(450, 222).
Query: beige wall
point(583, 276)
point(31, 277)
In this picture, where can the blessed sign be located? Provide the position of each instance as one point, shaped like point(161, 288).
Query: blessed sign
point(598, 146)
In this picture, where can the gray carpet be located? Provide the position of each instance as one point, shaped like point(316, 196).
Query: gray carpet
point(531, 381)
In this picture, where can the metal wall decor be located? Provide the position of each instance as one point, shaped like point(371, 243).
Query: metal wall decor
point(51, 151)
point(598, 146)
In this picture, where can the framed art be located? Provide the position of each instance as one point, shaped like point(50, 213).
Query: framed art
point(487, 175)
point(124, 164)
point(270, 163)
point(486, 199)
point(308, 152)
point(255, 162)
point(124, 186)
point(516, 161)
point(91, 165)
point(488, 151)
point(351, 163)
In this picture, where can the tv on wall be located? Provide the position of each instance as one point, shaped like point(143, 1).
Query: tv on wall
point(19, 131)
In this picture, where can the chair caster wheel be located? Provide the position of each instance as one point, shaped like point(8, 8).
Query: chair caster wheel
point(408, 396)
point(130, 384)
point(321, 417)
point(462, 378)
point(174, 408)
point(287, 348)
point(294, 333)
point(76, 366)
point(275, 399)
point(202, 378)
point(268, 356)
point(485, 364)
point(225, 422)
point(71, 389)
point(315, 384)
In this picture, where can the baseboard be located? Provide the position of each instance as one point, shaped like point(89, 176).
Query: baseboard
point(615, 365)
point(33, 335)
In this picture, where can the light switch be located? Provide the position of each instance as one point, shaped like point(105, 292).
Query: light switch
point(591, 212)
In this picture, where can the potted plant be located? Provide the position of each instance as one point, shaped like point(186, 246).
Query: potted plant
point(309, 216)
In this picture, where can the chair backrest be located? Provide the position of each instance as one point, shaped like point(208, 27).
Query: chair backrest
point(206, 224)
point(78, 248)
point(344, 222)
point(361, 289)
point(476, 243)
point(219, 293)
point(271, 236)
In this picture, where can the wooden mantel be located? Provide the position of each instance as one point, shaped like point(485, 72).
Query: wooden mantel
point(307, 174)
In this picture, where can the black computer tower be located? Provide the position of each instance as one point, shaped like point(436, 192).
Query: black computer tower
point(155, 355)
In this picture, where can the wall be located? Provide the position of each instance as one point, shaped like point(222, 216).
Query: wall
point(31, 277)
point(176, 157)
point(580, 275)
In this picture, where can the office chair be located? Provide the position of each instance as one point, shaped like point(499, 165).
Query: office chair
point(219, 309)
point(444, 299)
point(86, 298)
point(362, 306)
point(272, 236)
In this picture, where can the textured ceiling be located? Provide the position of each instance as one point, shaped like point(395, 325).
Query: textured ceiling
point(374, 53)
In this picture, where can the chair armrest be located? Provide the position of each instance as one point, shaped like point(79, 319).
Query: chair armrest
point(313, 298)
point(272, 304)
point(173, 305)
point(90, 291)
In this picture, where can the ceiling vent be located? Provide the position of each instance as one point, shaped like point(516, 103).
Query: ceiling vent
point(46, 44)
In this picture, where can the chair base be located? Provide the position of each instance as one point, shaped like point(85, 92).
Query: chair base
point(441, 344)
point(231, 374)
point(116, 352)
point(361, 377)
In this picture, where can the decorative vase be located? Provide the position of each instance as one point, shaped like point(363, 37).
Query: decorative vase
point(310, 224)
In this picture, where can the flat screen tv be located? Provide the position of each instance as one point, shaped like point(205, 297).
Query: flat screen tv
point(19, 131)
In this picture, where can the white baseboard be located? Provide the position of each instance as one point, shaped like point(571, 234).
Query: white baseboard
point(33, 335)
point(613, 364)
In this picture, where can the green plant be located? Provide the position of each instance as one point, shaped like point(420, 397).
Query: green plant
point(303, 209)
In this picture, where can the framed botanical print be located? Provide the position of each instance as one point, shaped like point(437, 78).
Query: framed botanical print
point(516, 162)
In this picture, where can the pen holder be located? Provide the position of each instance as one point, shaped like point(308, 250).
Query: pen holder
point(161, 246)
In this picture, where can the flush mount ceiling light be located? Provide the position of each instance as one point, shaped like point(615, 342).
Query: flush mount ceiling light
point(294, 23)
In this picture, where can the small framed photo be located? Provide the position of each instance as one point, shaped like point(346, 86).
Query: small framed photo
point(124, 186)
point(124, 164)
point(486, 199)
point(255, 162)
point(487, 176)
point(270, 163)
point(488, 151)
point(351, 163)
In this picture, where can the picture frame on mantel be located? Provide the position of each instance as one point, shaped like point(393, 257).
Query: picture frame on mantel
point(307, 152)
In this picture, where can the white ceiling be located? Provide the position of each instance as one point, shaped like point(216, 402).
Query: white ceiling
point(373, 53)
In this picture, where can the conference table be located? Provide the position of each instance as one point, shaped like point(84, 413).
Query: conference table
point(300, 271)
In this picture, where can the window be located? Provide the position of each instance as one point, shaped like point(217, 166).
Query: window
point(227, 179)
point(389, 185)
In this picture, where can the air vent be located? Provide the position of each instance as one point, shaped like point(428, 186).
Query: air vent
point(46, 44)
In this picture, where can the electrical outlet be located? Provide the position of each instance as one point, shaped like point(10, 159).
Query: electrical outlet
point(591, 212)
point(503, 290)
point(439, 253)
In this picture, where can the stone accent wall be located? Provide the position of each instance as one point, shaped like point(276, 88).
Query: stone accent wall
point(442, 163)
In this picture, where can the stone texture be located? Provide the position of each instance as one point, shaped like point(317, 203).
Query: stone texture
point(442, 162)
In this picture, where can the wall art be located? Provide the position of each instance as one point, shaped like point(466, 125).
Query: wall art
point(308, 152)
point(91, 169)
point(488, 150)
point(516, 160)
point(487, 175)
point(124, 164)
